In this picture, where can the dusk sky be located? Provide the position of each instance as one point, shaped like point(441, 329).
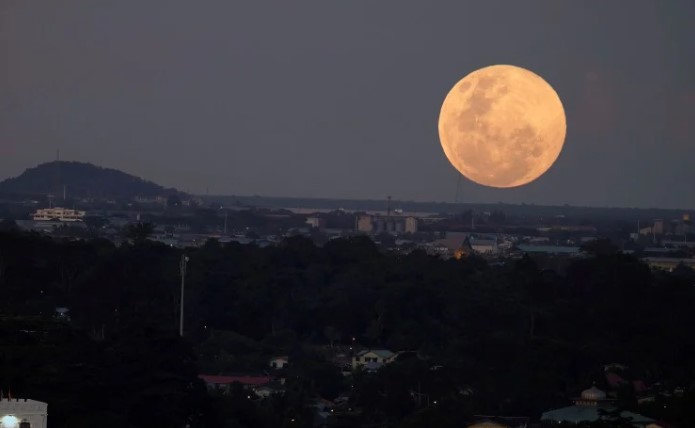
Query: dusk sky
point(340, 99)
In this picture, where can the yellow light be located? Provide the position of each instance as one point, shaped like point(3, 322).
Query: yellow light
point(9, 421)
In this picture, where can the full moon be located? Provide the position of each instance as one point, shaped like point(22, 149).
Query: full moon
point(502, 126)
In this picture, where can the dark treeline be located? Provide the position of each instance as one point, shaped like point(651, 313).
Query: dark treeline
point(510, 340)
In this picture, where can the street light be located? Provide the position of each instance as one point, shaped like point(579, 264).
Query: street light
point(182, 267)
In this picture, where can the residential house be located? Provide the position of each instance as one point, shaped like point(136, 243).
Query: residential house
point(223, 383)
point(273, 388)
point(484, 246)
point(279, 362)
point(372, 359)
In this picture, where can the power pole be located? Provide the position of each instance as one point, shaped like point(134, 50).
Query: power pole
point(182, 267)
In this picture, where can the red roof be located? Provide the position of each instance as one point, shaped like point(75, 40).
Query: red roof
point(614, 380)
point(227, 380)
point(639, 386)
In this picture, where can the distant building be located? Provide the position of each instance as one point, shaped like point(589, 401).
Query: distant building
point(661, 227)
point(364, 224)
point(22, 413)
point(588, 408)
point(279, 362)
point(224, 383)
point(376, 224)
point(159, 200)
point(62, 313)
point(316, 222)
point(62, 214)
point(668, 263)
point(658, 228)
point(483, 246)
point(266, 391)
point(373, 359)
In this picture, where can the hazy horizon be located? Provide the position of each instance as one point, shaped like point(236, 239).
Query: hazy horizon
point(340, 101)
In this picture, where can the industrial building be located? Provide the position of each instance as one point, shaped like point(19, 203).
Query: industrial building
point(376, 224)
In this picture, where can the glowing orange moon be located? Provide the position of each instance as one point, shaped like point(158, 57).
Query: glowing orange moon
point(502, 126)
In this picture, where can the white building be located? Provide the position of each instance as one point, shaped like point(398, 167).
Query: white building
point(279, 362)
point(373, 359)
point(23, 413)
point(316, 222)
point(484, 246)
point(62, 214)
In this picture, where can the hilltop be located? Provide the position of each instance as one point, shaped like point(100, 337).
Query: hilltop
point(81, 180)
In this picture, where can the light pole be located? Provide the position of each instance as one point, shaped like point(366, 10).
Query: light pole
point(182, 267)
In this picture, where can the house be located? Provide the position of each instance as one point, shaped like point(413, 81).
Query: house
point(22, 412)
point(372, 359)
point(499, 422)
point(279, 362)
point(224, 383)
point(273, 388)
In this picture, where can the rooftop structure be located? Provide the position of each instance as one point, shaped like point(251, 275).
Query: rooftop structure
point(591, 406)
point(223, 383)
point(374, 224)
point(373, 359)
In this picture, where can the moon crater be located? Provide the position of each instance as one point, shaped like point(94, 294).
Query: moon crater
point(502, 126)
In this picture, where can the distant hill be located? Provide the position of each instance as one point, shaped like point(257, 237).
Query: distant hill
point(81, 180)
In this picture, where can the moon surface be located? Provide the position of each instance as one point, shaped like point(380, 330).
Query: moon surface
point(502, 126)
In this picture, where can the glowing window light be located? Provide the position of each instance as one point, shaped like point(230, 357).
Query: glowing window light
point(9, 421)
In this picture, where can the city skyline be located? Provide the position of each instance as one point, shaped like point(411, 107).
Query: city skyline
point(242, 99)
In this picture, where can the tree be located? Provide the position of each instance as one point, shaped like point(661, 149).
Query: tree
point(600, 247)
point(139, 232)
point(8, 225)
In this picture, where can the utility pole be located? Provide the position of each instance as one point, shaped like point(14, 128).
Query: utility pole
point(182, 266)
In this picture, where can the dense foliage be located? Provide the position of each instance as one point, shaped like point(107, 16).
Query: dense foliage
point(505, 340)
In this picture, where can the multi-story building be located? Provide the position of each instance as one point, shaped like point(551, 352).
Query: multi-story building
point(62, 214)
point(316, 222)
point(374, 224)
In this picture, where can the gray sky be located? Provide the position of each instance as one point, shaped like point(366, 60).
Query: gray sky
point(340, 99)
